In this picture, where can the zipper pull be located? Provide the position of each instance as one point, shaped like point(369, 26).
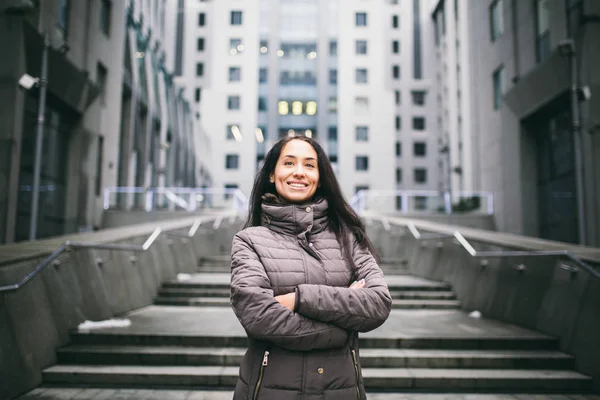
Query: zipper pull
point(266, 359)
point(354, 357)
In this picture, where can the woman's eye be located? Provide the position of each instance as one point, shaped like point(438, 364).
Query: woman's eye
point(288, 163)
point(310, 165)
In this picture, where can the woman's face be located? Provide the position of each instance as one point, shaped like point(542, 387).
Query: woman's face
point(296, 175)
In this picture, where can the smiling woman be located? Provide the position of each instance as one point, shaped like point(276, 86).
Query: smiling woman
point(304, 281)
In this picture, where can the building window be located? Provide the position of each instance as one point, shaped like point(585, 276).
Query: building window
point(200, 44)
point(233, 102)
point(105, 16)
point(197, 94)
point(228, 188)
point(362, 163)
point(235, 74)
point(235, 46)
point(361, 188)
point(361, 105)
point(333, 76)
point(361, 47)
point(362, 134)
point(542, 24)
point(398, 95)
point(199, 69)
point(398, 175)
point(232, 132)
point(232, 161)
point(395, 22)
point(101, 75)
point(99, 161)
point(498, 81)
point(332, 105)
point(396, 71)
point(496, 20)
point(264, 46)
point(332, 133)
point(420, 203)
point(419, 149)
point(201, 19)
point(396, 46)
point(398, 122)
point(398, 149)
point(236, 18)
point(262, 103)
point(333, 48)
point(418, 97)
point(64, 11)
point(361, 19)
point(361, 75)
point(262, 75)
point(418, 123)
point(420, 175)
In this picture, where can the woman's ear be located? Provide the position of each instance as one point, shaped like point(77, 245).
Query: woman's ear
point(272, 178)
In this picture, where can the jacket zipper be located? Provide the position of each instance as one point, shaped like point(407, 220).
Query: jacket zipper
point(265, 361)
point(356, 372)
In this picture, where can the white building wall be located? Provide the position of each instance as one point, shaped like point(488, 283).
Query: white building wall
point(380, 147)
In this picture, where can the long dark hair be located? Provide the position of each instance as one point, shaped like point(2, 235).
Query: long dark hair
point(342, 218)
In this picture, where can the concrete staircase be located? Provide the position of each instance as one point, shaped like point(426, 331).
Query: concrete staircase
point(426, 345)
point(406, 293)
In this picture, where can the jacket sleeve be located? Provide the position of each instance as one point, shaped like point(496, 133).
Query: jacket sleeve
point(359, 310)
point(260, 313)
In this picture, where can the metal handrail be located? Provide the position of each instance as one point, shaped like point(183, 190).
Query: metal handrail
point(105, 246)
point(502, 253)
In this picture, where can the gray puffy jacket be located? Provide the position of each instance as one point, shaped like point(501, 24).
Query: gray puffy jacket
point(311, 353)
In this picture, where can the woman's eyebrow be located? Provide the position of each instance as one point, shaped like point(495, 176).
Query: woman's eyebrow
point(294, 157)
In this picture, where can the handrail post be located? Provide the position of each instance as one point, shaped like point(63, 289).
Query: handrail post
point(106, 198)
point(404, 202)
point(149, 200)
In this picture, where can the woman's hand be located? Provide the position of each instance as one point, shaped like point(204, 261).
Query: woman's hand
point(287, 300)
point(358, 285)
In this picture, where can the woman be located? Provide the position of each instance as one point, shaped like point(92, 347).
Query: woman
point(304, 282)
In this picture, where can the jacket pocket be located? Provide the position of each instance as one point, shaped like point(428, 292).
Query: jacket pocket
point(265, 362)
point(356, 372)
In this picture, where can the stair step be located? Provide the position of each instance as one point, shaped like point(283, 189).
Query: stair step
point(225, 292)
point(379, 358)
point(374, 378)
point(438, 343)
point(225, 302)
point(192, 301)
point(427, 295)
point(192, 292)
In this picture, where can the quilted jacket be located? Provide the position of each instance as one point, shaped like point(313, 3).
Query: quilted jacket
point(310, 353)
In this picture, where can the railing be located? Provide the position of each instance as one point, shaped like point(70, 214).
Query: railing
point(52, 258)
point(175, 198)
point(484, 255)
point(419, 201)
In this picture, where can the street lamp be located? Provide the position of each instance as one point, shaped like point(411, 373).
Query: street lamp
point(27, 82)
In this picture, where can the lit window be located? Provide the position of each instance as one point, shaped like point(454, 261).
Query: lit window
point(264, 47)
point(283, 108)
point(311, 108)
point(297, 107)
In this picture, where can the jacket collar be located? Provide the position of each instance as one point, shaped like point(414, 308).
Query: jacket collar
point(295, 219)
